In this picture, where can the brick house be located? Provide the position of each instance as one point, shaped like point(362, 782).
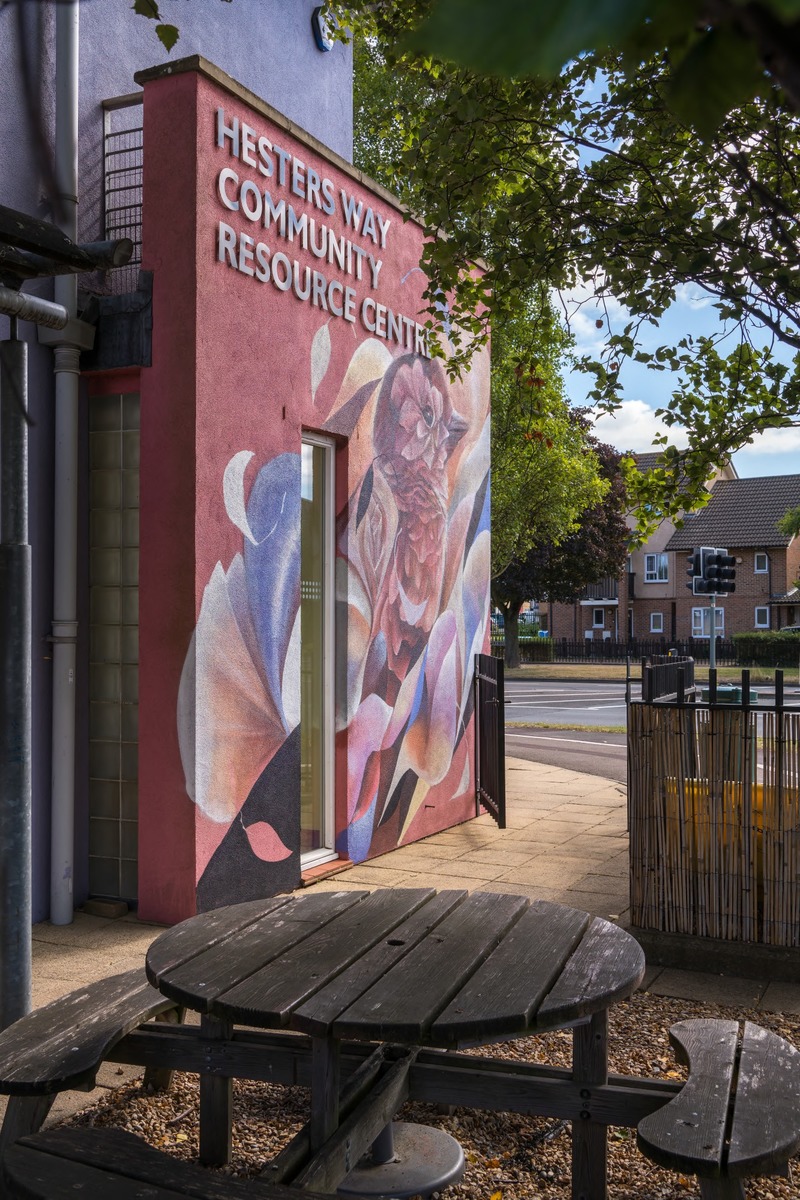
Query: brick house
point(651, 599)
point(742, 516)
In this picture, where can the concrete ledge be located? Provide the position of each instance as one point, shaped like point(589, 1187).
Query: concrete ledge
point(748, 960)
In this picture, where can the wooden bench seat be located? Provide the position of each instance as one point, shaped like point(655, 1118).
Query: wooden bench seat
point(61, 1046)
point(738, 1115)
point(111, 1164)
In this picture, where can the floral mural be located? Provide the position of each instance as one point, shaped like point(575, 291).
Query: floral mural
point(412, 600)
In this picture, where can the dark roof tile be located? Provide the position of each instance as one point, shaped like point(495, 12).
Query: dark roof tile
point(741, 512)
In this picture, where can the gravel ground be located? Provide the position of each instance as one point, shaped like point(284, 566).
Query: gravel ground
point(509, 1157)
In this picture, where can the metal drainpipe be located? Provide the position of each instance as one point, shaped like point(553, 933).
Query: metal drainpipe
point(67, 369)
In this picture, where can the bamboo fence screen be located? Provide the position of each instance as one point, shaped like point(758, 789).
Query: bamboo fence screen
point(715, 840)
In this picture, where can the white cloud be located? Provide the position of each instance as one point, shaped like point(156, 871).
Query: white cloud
point(774, 441)
point(634, 426)
point(693, 296)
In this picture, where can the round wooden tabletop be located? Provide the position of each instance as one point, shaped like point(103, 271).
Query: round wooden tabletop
point(403, 964)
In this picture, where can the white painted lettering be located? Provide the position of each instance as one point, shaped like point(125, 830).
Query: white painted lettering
point(368, 307)
point(228, 133)
point(375, 265)
point(262, 258)
point(266, 164)
point(275, 213)
point(246, 244)
point(320, 284)
point(384, 228)
point(225, 176)
point(336, 307)
point(226, 245)
point(350, 304)
point(368, 228)
point(328, 201)
point(299, 178)
point(282, 279)
point(312, 187)
point(351, 211)
point(251, 200)
point(249, 146)
point(283, 157)
point(305, 292)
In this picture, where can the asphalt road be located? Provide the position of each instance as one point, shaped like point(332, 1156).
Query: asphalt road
point(567, 703)
point(602, 754)
point(585, 705)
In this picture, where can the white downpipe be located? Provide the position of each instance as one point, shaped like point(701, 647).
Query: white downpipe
point(67, 368)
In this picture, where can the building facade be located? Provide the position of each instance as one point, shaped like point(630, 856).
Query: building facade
point(282, 548)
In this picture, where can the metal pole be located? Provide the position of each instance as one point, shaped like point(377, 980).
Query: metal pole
point(65, 576)
point(712, 649)
point(15, 686)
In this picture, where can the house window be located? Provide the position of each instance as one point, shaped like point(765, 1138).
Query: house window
point(701, 622)
point(761, 566)
point(598, 617)
point(656, 568)
point(656, 622)
point(762, 617)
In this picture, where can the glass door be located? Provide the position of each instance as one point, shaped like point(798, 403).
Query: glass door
point(316, 652)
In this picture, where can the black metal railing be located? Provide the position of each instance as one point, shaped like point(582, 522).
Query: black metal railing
point(490, 750)
point(667, 677)
point(564, 650)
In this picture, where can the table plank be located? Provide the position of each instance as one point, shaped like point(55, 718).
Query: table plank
point(316, 1015)
point(199, 981)
point(184, 941)
point(508, 987)
point(403, 1005)
point(271, 994)
point(766, 1116)
point(607, 963)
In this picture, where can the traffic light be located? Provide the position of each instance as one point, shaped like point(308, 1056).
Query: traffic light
point(694, 569)
point(719, 572)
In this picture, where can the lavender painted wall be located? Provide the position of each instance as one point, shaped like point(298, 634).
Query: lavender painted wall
point(268, 45)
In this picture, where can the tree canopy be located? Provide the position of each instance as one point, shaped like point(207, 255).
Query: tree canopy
point(560, 570)
point(593, 184)
point(544, 472)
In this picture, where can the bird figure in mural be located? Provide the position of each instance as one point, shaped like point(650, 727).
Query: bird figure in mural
point(405, 502)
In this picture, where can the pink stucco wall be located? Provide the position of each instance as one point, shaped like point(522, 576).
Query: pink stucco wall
point(241, 367)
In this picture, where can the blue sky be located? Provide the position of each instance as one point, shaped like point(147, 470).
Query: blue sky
point(776, 452)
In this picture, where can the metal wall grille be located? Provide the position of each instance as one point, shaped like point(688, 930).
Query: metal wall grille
point(123, 157)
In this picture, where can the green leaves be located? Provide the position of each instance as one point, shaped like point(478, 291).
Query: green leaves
point(166, 34)
point(720, 72)
point(523, 37)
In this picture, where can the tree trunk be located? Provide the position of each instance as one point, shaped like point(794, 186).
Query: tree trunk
point(511, 618)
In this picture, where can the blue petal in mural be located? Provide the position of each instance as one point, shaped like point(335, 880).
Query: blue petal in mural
point(272, 564)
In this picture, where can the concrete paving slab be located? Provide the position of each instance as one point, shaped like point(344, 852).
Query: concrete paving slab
point(780, 997)
point(714, 989)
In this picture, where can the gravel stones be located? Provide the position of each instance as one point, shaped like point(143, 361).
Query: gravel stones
point(509, 1156)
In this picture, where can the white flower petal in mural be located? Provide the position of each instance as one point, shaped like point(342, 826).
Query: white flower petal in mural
point(320, 357)
point(233, 492)
point(290, 685)
point(265, 842)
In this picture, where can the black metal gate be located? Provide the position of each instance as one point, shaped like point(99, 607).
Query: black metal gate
point(490, 740)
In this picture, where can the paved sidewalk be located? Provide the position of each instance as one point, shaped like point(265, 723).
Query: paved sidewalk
point(566, 841)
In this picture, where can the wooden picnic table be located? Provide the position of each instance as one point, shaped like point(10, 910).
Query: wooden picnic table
point(411, 967)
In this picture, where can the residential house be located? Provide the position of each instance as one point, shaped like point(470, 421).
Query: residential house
point(652, 600)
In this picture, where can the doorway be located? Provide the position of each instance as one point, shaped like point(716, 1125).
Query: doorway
point(317, 549)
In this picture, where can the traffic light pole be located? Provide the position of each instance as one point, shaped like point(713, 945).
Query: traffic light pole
point(712, 648)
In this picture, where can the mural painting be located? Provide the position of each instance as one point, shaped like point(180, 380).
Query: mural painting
point(307, 321)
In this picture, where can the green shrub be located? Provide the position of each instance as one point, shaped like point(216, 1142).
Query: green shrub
point(768, 649)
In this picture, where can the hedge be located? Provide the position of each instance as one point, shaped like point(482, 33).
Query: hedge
point(768, 649)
